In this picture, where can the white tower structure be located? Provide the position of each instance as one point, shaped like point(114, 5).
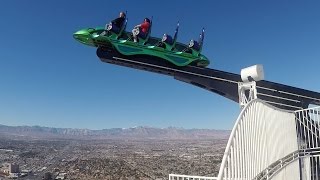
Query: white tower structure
point(267, 142)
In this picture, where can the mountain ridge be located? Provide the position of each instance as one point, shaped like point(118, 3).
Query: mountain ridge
point(139, 132)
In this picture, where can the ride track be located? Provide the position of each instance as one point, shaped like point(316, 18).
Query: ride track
point(220, 82)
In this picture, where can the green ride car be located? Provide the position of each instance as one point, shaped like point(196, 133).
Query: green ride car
point(166, 48)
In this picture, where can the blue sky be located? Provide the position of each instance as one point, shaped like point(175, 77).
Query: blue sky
point(49, 79)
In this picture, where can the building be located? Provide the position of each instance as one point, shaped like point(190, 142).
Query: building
point(13, 168)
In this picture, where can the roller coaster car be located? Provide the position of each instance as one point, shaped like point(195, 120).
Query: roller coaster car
point(167, 48)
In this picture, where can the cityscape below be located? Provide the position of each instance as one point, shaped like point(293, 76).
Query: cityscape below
point(34, 152)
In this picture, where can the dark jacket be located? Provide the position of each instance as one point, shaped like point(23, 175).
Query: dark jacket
point(118, 22)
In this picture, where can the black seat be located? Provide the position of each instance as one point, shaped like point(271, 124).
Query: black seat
point(114, 29)
point(167, 39)
point(194, 45)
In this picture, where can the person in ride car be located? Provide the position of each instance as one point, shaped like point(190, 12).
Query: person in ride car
point(116, 24)
point(141, 30)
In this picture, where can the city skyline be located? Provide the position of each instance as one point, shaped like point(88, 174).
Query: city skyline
point(49, 79)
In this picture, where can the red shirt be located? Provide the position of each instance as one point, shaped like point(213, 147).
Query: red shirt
point(145, 27)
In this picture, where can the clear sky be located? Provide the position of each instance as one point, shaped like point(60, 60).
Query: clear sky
point(49, 79)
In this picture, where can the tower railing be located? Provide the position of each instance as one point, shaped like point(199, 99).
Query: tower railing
point(262, 135)
point(308, 123)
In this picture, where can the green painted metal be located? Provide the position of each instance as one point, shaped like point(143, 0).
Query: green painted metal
point(123, 43)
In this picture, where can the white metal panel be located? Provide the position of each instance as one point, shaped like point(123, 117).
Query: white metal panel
point(262, 135)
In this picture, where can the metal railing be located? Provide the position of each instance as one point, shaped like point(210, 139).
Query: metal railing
point(257, 141)
point(308, 123)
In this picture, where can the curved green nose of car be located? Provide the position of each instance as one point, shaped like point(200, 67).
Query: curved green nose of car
point(84, 37)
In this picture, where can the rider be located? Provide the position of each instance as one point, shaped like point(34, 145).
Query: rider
point(116, 23)
point(143, 29)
